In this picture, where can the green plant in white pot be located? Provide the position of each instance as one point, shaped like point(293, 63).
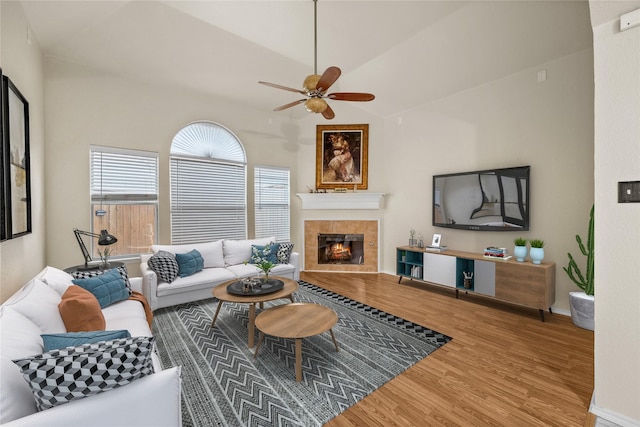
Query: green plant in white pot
point(537, 250)
point(582, 303)
point(520, 249)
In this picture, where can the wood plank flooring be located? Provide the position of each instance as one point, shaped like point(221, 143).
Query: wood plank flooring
point(504, 367)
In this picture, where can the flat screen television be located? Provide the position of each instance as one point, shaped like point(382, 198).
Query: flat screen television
point(487, 200)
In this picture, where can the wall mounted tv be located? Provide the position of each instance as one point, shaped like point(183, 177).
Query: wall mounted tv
point(488, 200)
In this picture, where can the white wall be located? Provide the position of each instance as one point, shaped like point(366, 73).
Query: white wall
point(86, 106)
point(22, 62)
point(617, 226)
point(514, 121)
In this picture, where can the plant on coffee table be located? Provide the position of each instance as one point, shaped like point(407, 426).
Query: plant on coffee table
point(260, 258)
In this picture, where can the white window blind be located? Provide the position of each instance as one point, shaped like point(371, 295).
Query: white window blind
point(272, 207)
point(124, 198)
point(207, 201)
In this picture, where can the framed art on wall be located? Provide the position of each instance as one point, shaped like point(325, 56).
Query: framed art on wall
point(3, 216)
point(342, 156)
point(16, 162)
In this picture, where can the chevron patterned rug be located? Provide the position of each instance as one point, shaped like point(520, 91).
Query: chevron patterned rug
point(223, 385)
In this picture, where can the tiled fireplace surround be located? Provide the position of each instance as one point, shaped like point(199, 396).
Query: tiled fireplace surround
point(369, 228)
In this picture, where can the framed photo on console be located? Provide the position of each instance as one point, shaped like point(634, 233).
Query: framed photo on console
point(342, 156)
point(15, 161)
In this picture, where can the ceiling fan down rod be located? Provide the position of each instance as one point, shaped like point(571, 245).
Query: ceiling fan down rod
point(315, 36)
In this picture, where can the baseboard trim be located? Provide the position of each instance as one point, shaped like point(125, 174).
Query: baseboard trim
point(610, 416)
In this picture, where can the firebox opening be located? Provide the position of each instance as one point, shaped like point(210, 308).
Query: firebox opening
point(340, 248)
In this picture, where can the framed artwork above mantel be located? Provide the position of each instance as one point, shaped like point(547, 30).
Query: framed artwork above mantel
point(342, 157)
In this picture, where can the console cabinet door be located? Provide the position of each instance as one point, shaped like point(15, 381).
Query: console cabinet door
point(440, 269)
point(484, 277)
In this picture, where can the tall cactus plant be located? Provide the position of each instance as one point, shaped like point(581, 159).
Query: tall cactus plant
point(584, 281)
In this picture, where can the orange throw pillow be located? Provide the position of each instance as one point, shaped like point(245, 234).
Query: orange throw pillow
point(80, 310)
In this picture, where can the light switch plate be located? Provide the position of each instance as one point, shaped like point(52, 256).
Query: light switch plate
point(629, 192)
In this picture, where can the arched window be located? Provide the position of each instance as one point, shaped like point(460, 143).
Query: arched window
point(208, 185)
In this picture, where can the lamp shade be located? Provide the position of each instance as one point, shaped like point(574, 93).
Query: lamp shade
point(106, 238)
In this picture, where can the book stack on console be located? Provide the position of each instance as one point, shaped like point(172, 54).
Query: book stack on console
point(498, 253)
point(435, 248)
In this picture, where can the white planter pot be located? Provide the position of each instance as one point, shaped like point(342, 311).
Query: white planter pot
point(582, 310)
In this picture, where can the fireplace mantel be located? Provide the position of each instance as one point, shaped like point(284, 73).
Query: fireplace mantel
point(354, 200)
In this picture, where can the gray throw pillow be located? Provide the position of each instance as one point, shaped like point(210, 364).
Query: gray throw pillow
point(284, 252)
point(72, 373)
point(164, 264)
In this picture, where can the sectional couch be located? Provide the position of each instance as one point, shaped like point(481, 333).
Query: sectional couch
point(33, 311)
point(223, 260)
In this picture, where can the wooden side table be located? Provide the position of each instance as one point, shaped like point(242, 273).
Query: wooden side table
point(298, 321)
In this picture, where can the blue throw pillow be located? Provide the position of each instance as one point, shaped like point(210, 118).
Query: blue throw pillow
point(189, 263)
point(75, 339)
point(108, 288)
point(264, 253)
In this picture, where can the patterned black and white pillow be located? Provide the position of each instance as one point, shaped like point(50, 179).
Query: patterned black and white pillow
point(93, 273)
point(72, 373)
point(284, 252)
point(165, 265)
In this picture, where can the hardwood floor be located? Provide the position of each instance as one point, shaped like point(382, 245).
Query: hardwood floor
point(504, 367)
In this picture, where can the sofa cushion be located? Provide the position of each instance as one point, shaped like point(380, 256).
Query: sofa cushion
point(20, 337)
point(127, 315)
point(189, 263)
point(284, 252)
point(108, 288)
point(239, 251)
point(56, 279)
point(164, 264)
point(60, 376)
point(75, 339)
point(207, 278)
point(264, 253)
point(250, 270)
point(80, 310)
point(39, 302)
point(211, 251)
point(97, 272)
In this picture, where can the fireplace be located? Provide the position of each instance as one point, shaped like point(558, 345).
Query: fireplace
point(340, 248)
point(346, 246)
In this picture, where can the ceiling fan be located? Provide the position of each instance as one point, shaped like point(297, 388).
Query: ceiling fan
point(315, 86)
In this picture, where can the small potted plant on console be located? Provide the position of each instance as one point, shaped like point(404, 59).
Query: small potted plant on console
point(537, 250)
point(520, 250)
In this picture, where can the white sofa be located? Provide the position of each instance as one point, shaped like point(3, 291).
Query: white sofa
point(153, 400)
point(224, 260)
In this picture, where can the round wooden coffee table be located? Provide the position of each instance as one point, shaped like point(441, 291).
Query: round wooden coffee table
point(297, 320)
point(220, 292)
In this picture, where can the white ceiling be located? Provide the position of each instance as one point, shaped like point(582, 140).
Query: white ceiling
point(405, 52)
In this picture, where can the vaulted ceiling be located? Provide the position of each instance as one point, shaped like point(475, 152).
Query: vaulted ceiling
point(405, 52)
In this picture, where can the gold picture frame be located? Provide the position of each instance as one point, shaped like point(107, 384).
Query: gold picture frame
point(342, 156)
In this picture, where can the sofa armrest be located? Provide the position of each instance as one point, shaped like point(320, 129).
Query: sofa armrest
point(294, 259)
point(154, 400)
point(136, 284)
point(149, 284)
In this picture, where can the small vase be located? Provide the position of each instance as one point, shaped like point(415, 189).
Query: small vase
point(520, 252)
point(536, 254)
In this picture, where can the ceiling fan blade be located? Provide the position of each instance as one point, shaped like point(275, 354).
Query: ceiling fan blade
point(351, 96)
point(328, 78)
point(328, 113)
point(290, 89)
point(289, 105)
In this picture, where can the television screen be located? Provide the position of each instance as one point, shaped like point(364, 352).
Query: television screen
point(488, 200)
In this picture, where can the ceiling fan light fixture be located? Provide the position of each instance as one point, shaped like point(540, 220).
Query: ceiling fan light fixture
point(311, 82)
point(315, 105)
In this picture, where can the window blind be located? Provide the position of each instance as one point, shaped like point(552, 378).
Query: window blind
point(208, 200)
point(272, 207)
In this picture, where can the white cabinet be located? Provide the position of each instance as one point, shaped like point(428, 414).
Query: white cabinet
point(439, 269)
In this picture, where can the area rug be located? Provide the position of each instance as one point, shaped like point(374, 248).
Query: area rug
point(223, 385)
